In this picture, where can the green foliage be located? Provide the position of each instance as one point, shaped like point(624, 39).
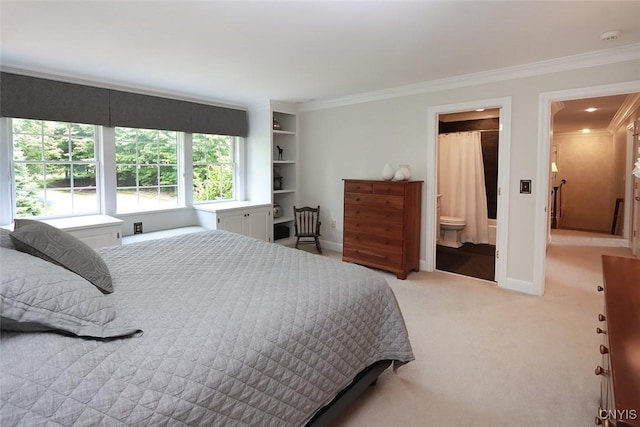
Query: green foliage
point(212, 167)
point(60, 153)
point(146, 158)
point(27, 201)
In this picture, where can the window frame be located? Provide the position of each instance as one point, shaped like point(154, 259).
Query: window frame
point(96, 162)
point(236, 149)
point(179, 185)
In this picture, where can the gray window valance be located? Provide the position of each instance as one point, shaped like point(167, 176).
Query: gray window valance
point(32, 98)
point(43, 99)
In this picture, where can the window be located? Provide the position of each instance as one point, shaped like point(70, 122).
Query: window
point(55, 168)
point(213, 167)
point(146, 169)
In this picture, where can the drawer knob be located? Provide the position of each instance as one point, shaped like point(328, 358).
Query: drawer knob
point(602, 317)
point(603, 349)
point(601, 371)
point(600, 331)
point(600, 288)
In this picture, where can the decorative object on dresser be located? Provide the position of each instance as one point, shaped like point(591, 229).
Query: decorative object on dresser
point(620, 372)
point(387, 172)
point(382, 224)
point(403, 173)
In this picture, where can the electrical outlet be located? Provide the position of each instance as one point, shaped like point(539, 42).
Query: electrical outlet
point(333, 223)
point(137, 228)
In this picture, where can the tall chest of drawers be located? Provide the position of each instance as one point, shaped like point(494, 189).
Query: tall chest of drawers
point(382, 224)
point(620, 329)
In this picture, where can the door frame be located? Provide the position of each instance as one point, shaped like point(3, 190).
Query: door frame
point(502, 213)
point(544, 164)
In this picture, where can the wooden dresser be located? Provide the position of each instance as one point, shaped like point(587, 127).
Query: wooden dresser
point(620, 329)
point(382, 224)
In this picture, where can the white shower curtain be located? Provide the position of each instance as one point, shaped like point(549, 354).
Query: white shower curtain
point(461, 183)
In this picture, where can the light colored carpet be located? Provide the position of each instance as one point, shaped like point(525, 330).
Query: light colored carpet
point(491, 357)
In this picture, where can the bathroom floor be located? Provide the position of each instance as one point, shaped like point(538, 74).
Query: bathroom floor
point(469, 259)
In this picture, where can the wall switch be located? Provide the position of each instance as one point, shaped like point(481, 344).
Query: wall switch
point(525, 186)
point(333, 223)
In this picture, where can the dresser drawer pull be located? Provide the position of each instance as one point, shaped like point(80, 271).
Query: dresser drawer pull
point(603, 349)
point(600, 288)
point(602, 317)
point(601, 371)
point(600, 331)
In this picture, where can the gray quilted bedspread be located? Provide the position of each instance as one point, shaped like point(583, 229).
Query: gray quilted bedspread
point(236, 332)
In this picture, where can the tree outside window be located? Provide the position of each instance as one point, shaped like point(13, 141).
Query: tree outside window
point(55, 168)
point(146, 169)
point(213, 167)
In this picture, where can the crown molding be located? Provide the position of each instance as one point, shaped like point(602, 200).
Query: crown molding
point(104, 84)
point(579, 133)
point(629, 106)
point(585, 60)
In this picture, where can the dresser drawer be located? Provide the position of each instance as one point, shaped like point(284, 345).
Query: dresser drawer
point(373, 201)
point(377, 228)
point(388, 188)
point(358, 187)
point(383, 242)
point(375, 256)
point(391, 215)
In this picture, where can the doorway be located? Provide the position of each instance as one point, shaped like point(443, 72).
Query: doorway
point(544, 173)
point(501, 109)
point(468, 154)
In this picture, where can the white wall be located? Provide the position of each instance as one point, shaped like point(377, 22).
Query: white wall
point(355, 141)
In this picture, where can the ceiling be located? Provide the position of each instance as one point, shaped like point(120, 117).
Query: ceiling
point(573, 118)
point(244, 53)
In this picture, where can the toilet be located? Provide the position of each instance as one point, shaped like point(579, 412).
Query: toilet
point(450, 229)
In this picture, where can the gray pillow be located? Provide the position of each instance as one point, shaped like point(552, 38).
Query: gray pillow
point(59, 247)
point(36, 295)
point(5, 240)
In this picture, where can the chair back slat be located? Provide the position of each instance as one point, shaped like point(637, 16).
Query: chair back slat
point(307, 225)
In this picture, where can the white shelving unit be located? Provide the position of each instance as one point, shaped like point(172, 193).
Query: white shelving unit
point(284, 161)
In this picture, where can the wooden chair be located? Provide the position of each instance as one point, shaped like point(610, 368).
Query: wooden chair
point(307, 226)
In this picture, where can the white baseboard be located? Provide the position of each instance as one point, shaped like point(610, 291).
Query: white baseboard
point(519, 286)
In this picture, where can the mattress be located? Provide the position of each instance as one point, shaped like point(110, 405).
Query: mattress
point(235, 331)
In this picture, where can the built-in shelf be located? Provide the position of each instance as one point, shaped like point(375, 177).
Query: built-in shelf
point(284, 148)
point(283, 219)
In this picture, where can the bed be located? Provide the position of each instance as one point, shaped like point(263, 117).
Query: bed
point(209, 328)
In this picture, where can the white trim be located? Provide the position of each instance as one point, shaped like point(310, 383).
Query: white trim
point(574, 62)
point(544, 145)
point(519, 285)
point(7, 195)
point(430, 190)
point(630, 104)
point(628, 184)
